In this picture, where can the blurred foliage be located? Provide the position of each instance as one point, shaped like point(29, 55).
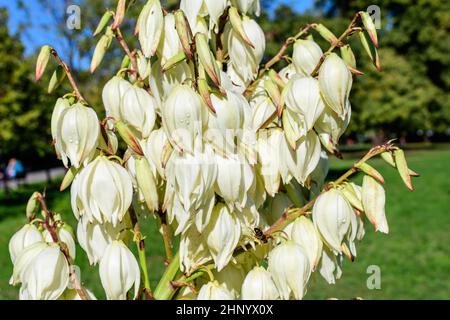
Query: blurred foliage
point(24, 110)
point(410, 94)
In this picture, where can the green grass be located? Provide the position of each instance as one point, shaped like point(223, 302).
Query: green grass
point(414, 258)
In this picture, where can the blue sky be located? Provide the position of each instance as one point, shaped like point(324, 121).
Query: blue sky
point(38, 37)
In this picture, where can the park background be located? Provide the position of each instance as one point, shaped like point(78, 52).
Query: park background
point(408, 101)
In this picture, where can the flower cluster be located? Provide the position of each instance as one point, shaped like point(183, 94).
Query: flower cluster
point(231, 157)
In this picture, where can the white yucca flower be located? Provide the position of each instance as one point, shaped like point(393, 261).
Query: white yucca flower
point(222, 235)
point(77, 134)
point(302, 96)
point(258, 285)
point(235, 177)
point(138, 110)
point(61, 105)
point(214, 291)
point(290, 270)
point(193, 250)
point(248, 6)
point(155, 149)
point(189, 192)
point(330, 266)
point(26, 236)
point(244, 58)
point(94, 237)
point(262, 108)
point(170, 43)
point(150, 25)
point(335, 81)
point(307, 155)
point(305, 234)
point(112, 96)
point(43, 271)
point(306, 56)
point(102, 191)
point(119, 271)
point(269, 161)
point(163, 83)
point(334, 218)
point(231, 277)
point(64, 235)
point(330, 126)
point(184, 116)
point(195, 8)
point(228, 121)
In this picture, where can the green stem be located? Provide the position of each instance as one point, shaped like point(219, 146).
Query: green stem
point(164, 290)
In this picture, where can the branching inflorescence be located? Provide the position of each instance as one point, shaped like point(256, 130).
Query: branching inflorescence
point(229, 155)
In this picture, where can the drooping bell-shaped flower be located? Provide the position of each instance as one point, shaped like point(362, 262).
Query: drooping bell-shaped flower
point(330, 126)
point(243, 57)
point(227, 123)
point(112, 96)
point(307, 155)
point(150, 25)
point(119, 271)
point(302, 96)
point(64, 235)
point(94, 237)
point(184, 116)
point(258, 285)
point(231, 277)
point(335, 82)
point(330, 266)
point(334, 218)
point(61, 105)
point(306, 56)
point(26, 236)
point(170, 43)
point(43, 271)
point(305, 234)
point(77, 134)
point(163, 83)
point(222, 235)
point(235, 177)
point(102, 191)
point(290, 270)
point(138, 110)
point(193, 250)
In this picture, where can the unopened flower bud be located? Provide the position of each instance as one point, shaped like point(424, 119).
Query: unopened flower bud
point(373, 200)
point(100, 50)
point(42, 61)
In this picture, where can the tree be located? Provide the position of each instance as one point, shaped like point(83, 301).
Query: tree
point(418, 31)
point(24, 111)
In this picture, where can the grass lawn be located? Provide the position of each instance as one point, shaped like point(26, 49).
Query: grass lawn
point(414, 258)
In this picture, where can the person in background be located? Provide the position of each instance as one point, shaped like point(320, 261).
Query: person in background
point(14, 169)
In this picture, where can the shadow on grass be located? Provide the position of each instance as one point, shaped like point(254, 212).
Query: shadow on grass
point(15, 201)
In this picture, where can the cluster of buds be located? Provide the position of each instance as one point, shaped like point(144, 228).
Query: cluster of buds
point(230, 157)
